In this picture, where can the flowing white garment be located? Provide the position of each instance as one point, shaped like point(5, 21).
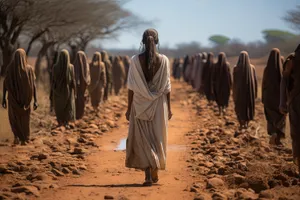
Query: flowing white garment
point(147, 137)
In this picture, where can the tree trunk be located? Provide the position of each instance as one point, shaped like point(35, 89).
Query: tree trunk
point(7, 53)
point(39, 59)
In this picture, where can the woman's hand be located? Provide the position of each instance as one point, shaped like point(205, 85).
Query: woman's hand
point(127, 115)
point(35, 105)
point(283, 109)
point(4, 104)
point(170, 114)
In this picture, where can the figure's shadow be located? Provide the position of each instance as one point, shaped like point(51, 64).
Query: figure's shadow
point(110, 186)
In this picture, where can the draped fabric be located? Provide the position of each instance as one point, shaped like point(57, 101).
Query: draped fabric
point(98, 79)
point(271, 94)
point(198, 73)
point(244, 88)
point(222, 81)
point(64, 86)
point(108, 71)
point(83, 79)
point(147, 137)
point(19, 83)
point(195, 70)
point(119, 75)
point(186, 68)
point(207, 77)
point(126, 61)
point(290, 96)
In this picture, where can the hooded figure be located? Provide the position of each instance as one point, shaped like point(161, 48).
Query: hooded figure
point(222, 82)
point(98, 80)
point(83, 79)
point(187, 68)
point(198, 73)
point(108, 71)
point(64, 89)
point(271, 97)
point(207, 77)
point(196, 69)
point(119, 75)
point(20, 84)
point(244, 89)
point(290, 98)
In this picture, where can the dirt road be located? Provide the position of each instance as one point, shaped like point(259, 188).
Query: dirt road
point(107, 175)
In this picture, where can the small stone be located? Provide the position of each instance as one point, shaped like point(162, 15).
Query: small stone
point(218, 196)
point(29, 190)
point(82, 167)
point(214, 183)
point(257, 184)
point(108, 197)
point(57, 172)
point(76, 172)
point(81, 140)
point(78, 150)
point(245, 194)
point(193, 189)
point(3, 169)
point(266, 194)
point(65, 170)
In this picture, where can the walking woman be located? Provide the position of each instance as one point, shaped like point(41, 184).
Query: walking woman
point(108, 71)
point(290, 98)
point(244, 90)
point(64, 89)
point(207, 77)
point(222, 83)
point(20, 85)
point(83, 79)
point(119, 74)
point(98, 80)
point(271, 97)
point(149, 109)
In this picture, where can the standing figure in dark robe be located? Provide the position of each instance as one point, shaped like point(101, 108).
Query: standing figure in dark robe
point(20, 85)
point(126, 62)
point(119, 75)
point(83, 79)
point(98, 80)
point(244, 89)
point(200, 85)
point(207, 77)
point(50, 71)
point(271, 97)
point(290, 98)
point(108, 71)
point(186, 68)
point(64, 89)
point(223, 83)
point(177, 71)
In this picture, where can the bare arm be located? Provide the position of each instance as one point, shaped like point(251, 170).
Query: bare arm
point(130, 99)
point(4, 105)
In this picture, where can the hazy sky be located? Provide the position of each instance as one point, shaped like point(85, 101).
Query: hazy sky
point(179, 21)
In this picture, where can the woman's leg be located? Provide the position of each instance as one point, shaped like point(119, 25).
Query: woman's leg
point(154, 175)
point(148, 178)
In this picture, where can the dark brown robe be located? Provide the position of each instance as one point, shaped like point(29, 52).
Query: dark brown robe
point(119, 75)
point(290, 97)
point(207, 77)
point(98, 79)
point(19, 83)
point(126, 61)
point(271, 94)
point(64, 89)
point(108, 71)
point(244, 88)
point(222, 81)
point(83, 79)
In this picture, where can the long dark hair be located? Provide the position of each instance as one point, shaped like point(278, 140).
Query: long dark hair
point(150, 40)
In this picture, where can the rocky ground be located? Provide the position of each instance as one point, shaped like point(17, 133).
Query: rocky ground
point(54, 152)
point(228, 163)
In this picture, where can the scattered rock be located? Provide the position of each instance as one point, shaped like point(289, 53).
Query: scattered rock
point(29, 190)
point(57, 172)
point(258, 184)
point(215, 183)
point(78, 150)
point(218, 196)
point(108, 197)
point(266, 194)
point(76, 172)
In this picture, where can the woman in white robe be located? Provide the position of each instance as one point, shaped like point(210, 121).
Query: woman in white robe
point(149, 109)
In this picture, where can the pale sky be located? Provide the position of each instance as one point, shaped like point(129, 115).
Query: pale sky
point(183, 21)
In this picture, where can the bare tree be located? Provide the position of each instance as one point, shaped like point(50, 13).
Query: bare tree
point(293, 17)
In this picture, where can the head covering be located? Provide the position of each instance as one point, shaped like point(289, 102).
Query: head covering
point(20, 80)
point(81, 67)
point(204, 55)
point(105, 57)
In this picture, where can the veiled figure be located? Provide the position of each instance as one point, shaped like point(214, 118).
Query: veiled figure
point(83, 79)
point(290, 98)
point(20, 85)
point(119, 74)
point(244, 89)
point(64, 89)
point(222, 82)
point(207, 77)
point(148, 109)
point(98, 80)
point(271, 97)
point(108, 73)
